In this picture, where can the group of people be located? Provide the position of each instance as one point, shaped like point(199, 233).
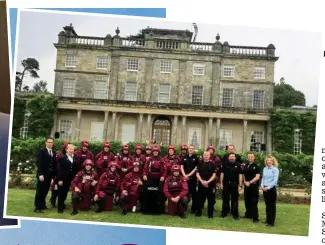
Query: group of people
point(145, 181)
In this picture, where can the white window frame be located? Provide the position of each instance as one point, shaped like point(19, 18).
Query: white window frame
point(102, 62)
point(231, 68)
point(166, 66)
point(190, 131)
point(132, 64)
point(127, 96)
point(198, 66)
point(202, 95)
point(66, 86)
point(225, 141)
point(297, 141)
point(96, 126)
point(70, 63)
point(232, 98)
point(159, 87)
point(24, 129)
point(67, 136)
point(257, 71)
point(258, 147)
point(132, 139)
point(102, 91)
point(263, 102)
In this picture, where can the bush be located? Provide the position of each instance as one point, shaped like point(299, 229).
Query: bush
point(295, 171)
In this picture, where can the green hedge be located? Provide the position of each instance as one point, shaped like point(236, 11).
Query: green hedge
point(295, 170)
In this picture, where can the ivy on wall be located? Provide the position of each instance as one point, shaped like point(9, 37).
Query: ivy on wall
point(284, 122)
point(19, 116)
point(42, 108)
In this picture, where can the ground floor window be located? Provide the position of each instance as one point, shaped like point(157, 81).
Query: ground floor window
point(128, 133)
point(161, 131)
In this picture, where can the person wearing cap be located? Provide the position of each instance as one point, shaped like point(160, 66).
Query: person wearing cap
point(153, 181)
point(139, 157)
point(83, 187)
point(206, 175)
point(184, 151)
point(251, 178)
point(231, 185)
point(170, 160)
point(54, 184)
point(67, 169)
point(148, 151)
point(188, 168)
point(124, 160)
point(216, 160)
point(83, 153)
point(103, 158)
point(107, 186)
point(176, 190)
point(131, 189)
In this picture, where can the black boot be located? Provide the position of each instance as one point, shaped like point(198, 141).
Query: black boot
point(100, 206)
point(74, 211)
point(124, 212)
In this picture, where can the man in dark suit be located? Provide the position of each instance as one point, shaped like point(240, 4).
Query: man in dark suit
point(45, 173)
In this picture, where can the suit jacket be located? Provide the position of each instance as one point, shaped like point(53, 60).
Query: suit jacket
point(67, 170)
point(46, 164)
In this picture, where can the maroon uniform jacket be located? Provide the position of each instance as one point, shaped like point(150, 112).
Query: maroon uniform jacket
point(169, 161)
point(108, 183)
point(102, 160)
point(130, 183)
point(141, 159)
point(154, 167)
point(83, 181)
point(124, 161)
point(82, 156)
point(216, 160)
point(175, 186)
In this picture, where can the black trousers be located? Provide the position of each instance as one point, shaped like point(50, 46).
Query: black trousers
point(42, 189)
point(209, 194)
point(63, 193)
point(230, 192)
point(251, 195)
point(270, 197)
point(192, 193)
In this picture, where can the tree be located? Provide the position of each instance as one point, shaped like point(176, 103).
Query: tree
point(40, 87)
point(286, 96)
point(30, 67)
point(26, 88)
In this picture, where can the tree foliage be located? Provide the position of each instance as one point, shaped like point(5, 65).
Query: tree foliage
point(40, 87)
point(30, 67)
point(19, 115)
point(286, 96)
point(284, 122)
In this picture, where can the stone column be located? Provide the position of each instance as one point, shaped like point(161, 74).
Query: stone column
point(149, 127)
point(210, 131)
point(184, 130)
point(244, 148)
point(140, 125)
point(269, 137)
point(218, 132)
point(149, 84)
point(78, 124)
point(174, 131)
point(105, 126)
point(113, 126)
point(55, 123)
point(113, 84)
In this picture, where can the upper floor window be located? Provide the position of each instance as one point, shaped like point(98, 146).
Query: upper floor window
point(258, 99)
point(198, 69)
point(130, 91)
point(228, 71)
point(227, 97)
point(164, 93)
point(197, 95)
point(165, 66)
point(70, 60)
point(102, 62)
point(133, 65)
point(259, 73)
point(101, 88)
point(69, 87)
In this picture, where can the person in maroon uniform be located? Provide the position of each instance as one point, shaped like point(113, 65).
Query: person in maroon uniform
point(103, 158)
point(139, 157)
point(124, 160)
point(170, 160)
point(148, 150)
point(54, 184)
point(83, 154)
point(184, 151)
point(176, 189)
point(153, 180)
point(107, 186)
point(131, 189)
point(83, 187)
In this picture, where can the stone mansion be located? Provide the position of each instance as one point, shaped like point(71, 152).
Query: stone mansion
point(163, 87)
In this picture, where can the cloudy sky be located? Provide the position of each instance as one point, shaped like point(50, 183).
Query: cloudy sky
point(299, 51)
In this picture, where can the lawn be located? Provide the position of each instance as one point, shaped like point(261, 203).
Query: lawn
point(291, 219)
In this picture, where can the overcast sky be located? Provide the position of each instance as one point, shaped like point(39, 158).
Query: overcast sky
point(299, 51)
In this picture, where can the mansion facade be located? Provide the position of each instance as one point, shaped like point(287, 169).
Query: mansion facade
point(163, 87)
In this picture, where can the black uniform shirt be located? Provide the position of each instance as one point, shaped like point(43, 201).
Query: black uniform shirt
point(231, 172)
point(250, 171)
point(206, 170)
point(189, 163)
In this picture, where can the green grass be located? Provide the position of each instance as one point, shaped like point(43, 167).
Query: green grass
point(291, 219)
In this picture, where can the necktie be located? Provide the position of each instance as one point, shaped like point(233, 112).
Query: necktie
point(50, 152)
